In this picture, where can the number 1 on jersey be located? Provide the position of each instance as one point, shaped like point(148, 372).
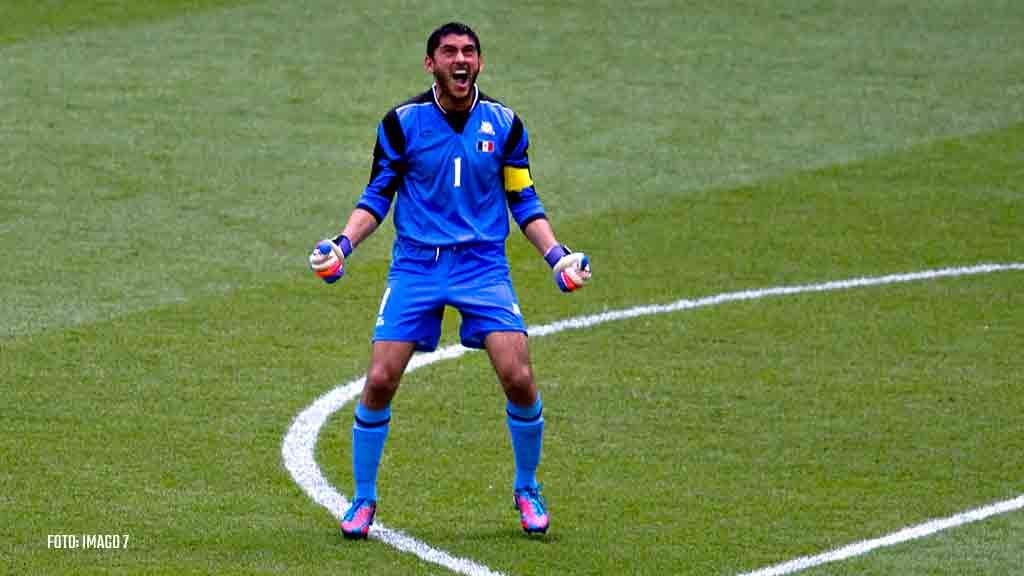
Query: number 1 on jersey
point(458, 171)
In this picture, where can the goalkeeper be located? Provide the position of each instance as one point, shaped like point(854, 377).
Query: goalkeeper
point(454, 164)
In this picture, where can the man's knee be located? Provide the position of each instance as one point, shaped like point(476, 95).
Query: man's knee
point(516, 376)
point(387, 364)
point(382, 376)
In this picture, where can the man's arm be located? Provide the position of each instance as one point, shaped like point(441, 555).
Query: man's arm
point(361, 223)
point(571, 269)
point(328, 258)
point(541, 235)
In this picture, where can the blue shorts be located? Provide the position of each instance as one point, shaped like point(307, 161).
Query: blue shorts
point(472, 278)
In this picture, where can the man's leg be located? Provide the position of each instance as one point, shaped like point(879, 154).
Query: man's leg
point(370, 430)
point(524, 414)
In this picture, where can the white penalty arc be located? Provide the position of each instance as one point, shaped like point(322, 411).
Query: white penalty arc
point(298, 449)
point(905, 535)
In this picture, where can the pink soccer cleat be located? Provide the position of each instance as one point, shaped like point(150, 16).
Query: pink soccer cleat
point(533, 512)
point(355, 525)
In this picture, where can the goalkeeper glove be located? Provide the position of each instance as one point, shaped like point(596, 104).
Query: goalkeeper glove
point(328, 258)
point(571, 269)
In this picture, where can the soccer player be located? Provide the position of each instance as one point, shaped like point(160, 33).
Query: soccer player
point(453, 163)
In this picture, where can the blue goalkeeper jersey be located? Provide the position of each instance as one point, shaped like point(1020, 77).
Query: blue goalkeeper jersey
point(453, 177)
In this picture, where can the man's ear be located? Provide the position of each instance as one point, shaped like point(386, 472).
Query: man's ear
point(428, 64)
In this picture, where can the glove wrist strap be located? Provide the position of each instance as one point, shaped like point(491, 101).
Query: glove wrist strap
point(345, 244)
point(556, 253)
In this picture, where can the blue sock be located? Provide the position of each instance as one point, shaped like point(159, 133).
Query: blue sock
point(368, 434)
point(526, 425)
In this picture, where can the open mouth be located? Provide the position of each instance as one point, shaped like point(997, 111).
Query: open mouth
point(461, 77)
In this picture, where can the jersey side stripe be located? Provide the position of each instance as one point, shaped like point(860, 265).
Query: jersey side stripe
point(515, 137)
point(393, 130)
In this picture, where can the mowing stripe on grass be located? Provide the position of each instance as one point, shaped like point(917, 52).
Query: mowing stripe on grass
point(299, 447)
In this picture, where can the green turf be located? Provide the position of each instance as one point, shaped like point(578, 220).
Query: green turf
point(166, 424)
point(166, 168)
point(33, 19)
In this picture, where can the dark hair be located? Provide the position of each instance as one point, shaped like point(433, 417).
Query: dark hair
point(457, 28)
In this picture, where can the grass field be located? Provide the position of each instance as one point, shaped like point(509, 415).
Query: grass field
point(166, 167)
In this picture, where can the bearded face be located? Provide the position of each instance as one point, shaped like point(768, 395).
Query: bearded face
point(455, 65)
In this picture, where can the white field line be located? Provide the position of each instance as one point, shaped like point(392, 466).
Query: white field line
point(905, 535)
point(299, 447)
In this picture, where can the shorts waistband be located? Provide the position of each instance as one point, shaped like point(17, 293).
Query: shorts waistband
point(436, 251)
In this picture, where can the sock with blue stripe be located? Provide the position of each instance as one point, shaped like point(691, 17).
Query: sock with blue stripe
point(526, 426)
point(369, 432)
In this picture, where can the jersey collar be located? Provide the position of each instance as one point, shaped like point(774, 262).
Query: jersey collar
point(476, 98)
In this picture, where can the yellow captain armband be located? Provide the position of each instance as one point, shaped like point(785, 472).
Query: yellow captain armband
point(517, 178)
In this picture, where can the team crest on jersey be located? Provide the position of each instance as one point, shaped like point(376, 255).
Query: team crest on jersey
point(486, 146)
point(486, 128)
